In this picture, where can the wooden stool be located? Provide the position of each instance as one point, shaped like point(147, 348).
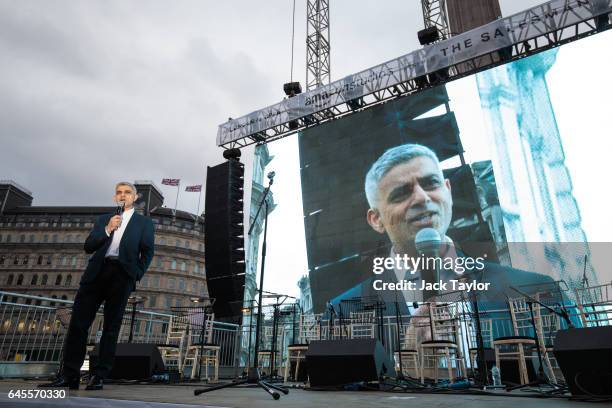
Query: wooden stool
point(296, 352)
point(445, 349)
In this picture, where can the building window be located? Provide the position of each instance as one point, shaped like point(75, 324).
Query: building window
point(195, 267)
point(162, 241)
point(194, 287)
point(68, 238)
point(26, 259)
point(156, 281)
point(183, 266)
point(44, 280)
point(49, 259)
point(68, 280)
point(171, 283)
point(144, 281)
point(158, 261)
point(58, 280)
point(19, 280)
point(179, 302)
point(200, 247)
point(32, 238)
point(181, 284)
point(9, 281)
point(16, 260)
point(168, 302)
point(46, 238)
point(173, 266)
point(39, 261)
point(152, 301)
point(187, 244)
point(55, 238)
point(2, 259)
point(64, 297)
point(22, 238)
point(8, 238)
point(34, 280)
point(64, 260)
point(73, 261)
point(178, 243)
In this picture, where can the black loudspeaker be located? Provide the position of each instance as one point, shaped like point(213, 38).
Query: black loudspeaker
point(224, 238)
point(428, 35)
point(337, 362)
point(133, 361)
point(584, 356)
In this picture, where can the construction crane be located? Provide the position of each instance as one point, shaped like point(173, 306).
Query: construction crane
point(317, 44)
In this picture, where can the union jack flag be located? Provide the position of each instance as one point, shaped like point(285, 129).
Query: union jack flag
point(197, 188)
point(171, 182)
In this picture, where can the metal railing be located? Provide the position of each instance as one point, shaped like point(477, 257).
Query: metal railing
point(35, 333)
point(501, 325)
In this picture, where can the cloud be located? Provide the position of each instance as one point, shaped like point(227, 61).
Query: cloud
point(82, 111)
point(92, 92)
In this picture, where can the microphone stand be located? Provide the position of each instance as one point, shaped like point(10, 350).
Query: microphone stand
point(253, 377)
point(330, 323)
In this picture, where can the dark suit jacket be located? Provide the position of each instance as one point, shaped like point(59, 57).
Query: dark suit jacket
point(135, 249)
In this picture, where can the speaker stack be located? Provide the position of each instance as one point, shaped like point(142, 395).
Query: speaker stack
point(338, 362)
point(133, 361)
point(585, 358)
point(224, 239)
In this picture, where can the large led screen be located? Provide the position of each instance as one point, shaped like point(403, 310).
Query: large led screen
point(519, 179)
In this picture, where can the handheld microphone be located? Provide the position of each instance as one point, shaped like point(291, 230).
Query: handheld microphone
point(120, 206)
point(427, 243)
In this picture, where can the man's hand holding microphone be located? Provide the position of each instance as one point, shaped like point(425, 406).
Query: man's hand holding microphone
point(115, 222)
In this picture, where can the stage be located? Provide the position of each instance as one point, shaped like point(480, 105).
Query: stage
point(134, 396)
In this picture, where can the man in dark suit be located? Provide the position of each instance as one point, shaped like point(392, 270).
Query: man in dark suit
point(122, 246)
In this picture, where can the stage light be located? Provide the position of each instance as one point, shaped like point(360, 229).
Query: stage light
point(309, 120)
point(232, 154)
point(292, 88)
point(355, 104)
point(421, 82)
point(602, 21)
point(428, 35)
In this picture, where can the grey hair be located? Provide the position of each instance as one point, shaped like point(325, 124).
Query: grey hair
point(391, 158)
point(130, 185)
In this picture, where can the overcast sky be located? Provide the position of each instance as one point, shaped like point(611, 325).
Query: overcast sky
point(92, 92)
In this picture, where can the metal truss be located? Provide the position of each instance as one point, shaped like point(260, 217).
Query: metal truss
point(434, 15)
point(317, 44)
point(480, 63)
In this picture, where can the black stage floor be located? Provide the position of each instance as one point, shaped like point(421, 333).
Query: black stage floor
point(175, 396)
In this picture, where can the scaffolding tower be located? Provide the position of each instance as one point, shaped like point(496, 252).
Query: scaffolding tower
point(435, 15)
point(317, 44)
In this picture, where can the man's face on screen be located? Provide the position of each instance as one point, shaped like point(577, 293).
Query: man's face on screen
point(412, 196)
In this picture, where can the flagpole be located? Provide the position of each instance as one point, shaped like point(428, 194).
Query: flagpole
point(198, 210)
point(178, 190)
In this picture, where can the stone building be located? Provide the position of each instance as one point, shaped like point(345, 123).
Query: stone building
point(41, 248)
